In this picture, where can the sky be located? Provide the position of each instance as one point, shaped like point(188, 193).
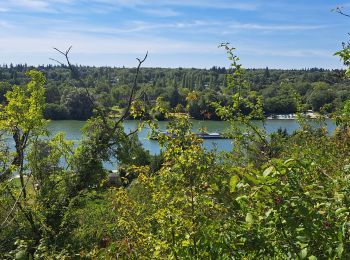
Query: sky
point(176, 33)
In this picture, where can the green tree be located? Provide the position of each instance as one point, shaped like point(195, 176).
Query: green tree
point(22, 118)
point(78, 104)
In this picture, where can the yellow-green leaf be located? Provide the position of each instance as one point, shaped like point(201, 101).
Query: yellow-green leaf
point(233, 182)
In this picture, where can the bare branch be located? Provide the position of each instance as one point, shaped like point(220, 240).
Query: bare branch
point(65, 54)
point(339, 10)
point(59, 51)
point(75, 75)
point(133, 89)
point(100, 111)
point(143, 60)
point(70, 47)
point(57, 61)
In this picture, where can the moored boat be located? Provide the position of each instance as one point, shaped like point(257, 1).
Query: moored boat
point(202, 135)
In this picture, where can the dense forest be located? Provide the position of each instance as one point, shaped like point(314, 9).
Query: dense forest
point(182, 90)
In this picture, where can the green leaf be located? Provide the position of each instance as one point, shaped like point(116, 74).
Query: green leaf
point(268, 171)
point(287, 162)
point(186, 243)
point(340, 250)
point(303, 253)
point(341, 210)
point(233, 182)
point(249, 219)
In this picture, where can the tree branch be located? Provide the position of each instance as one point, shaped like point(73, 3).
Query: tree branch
point(100, 111)
point(14, 205)
point(339, 11)
point(133, 89)
point(57, 61)
point(75, 75)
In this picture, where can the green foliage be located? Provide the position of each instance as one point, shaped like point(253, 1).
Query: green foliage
point(55, 175)
point(24, 106)
point(109, 87)
point(78, 104)
point(245, 104)
point(56, 112)
point(344, 54)
point(275, 196)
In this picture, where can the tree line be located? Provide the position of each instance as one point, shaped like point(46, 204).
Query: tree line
point(186, 90)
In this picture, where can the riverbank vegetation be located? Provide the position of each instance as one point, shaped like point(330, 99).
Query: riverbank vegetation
point(274, 196)
point(182, 90)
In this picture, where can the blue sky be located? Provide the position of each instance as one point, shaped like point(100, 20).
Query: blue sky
point(177, 33)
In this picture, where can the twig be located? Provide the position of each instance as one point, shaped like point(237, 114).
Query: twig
point(339, 11)
point(57, 61)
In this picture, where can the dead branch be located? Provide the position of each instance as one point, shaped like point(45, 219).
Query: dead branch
point(100, 111)
point(57, 61)
point(133, 89)
point(75, 75)
point(339, 10)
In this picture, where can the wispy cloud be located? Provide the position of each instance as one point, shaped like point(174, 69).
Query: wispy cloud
point(276, 27)
point(133, 27)
point(89, 44)
point(32, 4)
point(156, 7)
point(6, 25)
point(161, 12)
point(220, 4)
point(195, 26)
point(191, 28)
point(287, 52)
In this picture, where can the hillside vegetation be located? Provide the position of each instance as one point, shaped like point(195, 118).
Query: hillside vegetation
point(274, 196)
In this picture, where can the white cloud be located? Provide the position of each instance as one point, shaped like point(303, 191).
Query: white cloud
point(46, 6)
point(268, 51)
point(274, 27)
point(6, 25)
point(156, 7)
point(161, 12)
point(133, 27)
point(94, 45)
point(220, 4)
point(31, 4)
point(197, 26)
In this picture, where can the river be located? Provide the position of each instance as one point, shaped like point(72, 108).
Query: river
point(72, 129)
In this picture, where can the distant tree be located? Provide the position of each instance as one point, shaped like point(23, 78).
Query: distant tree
point(56, 112)
point(78, 104)
point(320, 96)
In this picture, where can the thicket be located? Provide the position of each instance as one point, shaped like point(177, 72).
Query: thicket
point(273, 196)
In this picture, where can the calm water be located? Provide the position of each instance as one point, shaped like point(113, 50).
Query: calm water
point(72, 129)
